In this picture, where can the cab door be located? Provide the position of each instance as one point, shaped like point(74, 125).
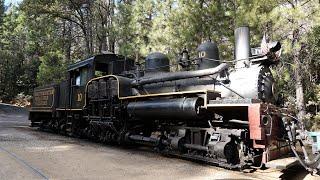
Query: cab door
point(79, 79)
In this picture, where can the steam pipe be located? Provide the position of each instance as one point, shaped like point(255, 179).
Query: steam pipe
point(179, 75)
point(239, 121)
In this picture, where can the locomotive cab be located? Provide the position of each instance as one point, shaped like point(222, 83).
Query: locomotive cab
point(81, 72)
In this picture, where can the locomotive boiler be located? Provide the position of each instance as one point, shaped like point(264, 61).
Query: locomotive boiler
point(210, 111)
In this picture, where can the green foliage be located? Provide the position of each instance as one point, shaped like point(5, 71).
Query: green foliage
point(12, 64)
point(124, 31)
point(50, 68)
point(2, 9)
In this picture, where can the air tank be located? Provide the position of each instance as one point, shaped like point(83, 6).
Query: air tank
point(208, 54)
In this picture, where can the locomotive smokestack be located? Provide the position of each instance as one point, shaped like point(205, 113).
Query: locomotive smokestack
point(242, 46)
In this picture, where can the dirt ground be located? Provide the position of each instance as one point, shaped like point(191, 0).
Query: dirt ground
point(26, 153)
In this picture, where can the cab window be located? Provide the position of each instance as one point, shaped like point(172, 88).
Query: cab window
point(100, 73)
point(83, 76)
point(80, 77)
point(101, 69)
point(78, 80)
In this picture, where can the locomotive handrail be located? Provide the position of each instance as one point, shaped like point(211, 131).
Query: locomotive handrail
point(179, 75)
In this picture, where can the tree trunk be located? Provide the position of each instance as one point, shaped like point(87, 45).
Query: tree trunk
point(299, 93)
point(300, 103)
point(67, 39)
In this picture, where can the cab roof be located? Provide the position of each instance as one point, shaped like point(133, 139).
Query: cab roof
point(100, 58)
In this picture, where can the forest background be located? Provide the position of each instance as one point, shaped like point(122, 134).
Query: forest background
point(40, 38)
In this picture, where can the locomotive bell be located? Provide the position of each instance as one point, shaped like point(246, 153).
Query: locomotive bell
point(157, 62)
point(208, 54)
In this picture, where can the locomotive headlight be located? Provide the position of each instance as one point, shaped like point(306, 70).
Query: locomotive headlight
point(266, 119)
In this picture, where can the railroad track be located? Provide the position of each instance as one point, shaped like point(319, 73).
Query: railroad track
point(8, 110)
point(28, 166)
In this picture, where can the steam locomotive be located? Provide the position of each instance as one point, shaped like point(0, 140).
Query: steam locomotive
point(226, 116)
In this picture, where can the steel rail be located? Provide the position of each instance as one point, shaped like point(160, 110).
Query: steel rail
point(23, 162)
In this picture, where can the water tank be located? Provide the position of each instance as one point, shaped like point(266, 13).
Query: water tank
point(208, 54)
point(156, 62)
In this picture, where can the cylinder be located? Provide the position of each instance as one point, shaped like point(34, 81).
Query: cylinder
point(242, 46)
point(180, 108)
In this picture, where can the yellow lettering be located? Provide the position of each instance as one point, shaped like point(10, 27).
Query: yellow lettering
point(41, 97)
point(202, 54)
point(79, 98)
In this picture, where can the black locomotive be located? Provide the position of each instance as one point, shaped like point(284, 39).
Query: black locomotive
point(217, 114)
